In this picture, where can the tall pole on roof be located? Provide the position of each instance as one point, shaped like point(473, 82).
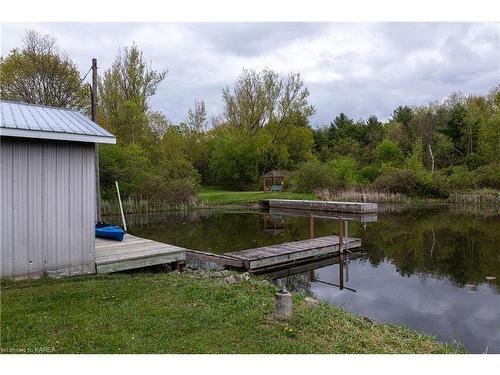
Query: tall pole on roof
point(96, 152)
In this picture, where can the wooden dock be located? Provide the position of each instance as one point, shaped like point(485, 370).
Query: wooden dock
point(220, 260)
point(290, 252)
point(134, 252)
point(332, 206)
point(328, 215)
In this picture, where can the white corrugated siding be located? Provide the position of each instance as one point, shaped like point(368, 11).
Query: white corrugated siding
point(47, 208)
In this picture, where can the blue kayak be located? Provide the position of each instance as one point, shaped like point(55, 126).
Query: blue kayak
point(111, 232)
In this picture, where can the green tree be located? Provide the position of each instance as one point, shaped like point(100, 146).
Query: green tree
point(375, 135)
point(394, 132)
point(127, 164)
point(40, 73)
point(269, 107)
point(260, 98)
point(237, 158)
point(388, 152)
point(124, 91)
point(150, 157)
point(341, 127)
point(300, 145)
point(489, 139)
point(310, 176)
point(196, 120)
point(158, 124)
point(454, 126)
point(403, 115)
point(197, 141)
point(321, 143)
point(344, 171)
point(415, 159)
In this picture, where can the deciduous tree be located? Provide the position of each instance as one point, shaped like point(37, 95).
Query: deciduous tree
point(40, 73)
point(124, 91)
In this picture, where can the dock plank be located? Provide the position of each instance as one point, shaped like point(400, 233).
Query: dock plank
point(144, 248)
point(134, 252)
point(127, 264)
point(269, 256)
point(136, 255)
point(218, 259)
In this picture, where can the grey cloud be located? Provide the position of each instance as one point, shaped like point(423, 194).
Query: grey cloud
point(360, 69)
point(248, 39)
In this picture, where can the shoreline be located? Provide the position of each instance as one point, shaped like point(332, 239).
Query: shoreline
point(183, 313)
point(255, 205)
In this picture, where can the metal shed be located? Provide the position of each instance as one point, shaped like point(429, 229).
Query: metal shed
point(47, 191)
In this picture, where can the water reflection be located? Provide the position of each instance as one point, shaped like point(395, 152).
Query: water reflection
point(420, 301)
point(307, 273)
point(436, 269)
point(274, 223)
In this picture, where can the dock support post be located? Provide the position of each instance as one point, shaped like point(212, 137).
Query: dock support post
point(341, 254)
point(179, 266)
point(341, 235)
point(283, 305)
point(311, 226)
point(346, 248)
point(346, 236)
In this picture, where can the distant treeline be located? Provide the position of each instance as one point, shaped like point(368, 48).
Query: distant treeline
point(426, 151)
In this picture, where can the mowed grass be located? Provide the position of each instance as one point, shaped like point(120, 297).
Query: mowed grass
point(169, 313)
point(219, 197)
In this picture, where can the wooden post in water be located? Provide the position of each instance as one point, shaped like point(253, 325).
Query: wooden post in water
point(346, 249)
point(311, 226)
point(341, 253)
point(312, 276)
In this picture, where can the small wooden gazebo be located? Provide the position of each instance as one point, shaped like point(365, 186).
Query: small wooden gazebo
point(273, 181)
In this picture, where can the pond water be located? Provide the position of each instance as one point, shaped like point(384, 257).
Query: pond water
point(434, 269)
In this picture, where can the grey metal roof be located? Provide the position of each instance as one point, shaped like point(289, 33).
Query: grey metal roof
point(38, 121)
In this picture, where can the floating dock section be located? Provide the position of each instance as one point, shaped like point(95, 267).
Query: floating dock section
point(332, 206)
point(327, 215)
point(269, 257)
point(134, 252)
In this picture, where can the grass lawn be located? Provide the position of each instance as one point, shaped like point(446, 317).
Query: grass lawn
point(171, 313)
point(219, 196)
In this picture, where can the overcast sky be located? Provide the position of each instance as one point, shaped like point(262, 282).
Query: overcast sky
point(359, 69)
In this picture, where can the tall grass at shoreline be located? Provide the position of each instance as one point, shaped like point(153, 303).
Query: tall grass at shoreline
point(362, 196)
point(144, 206)
point(479, 197)
point(213, 198)
point(206, 198)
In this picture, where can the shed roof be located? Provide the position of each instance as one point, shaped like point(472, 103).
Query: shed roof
point(43, 122)
point(274, 173)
